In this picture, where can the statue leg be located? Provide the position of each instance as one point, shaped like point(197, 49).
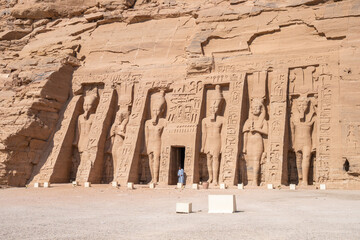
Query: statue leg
point(216, 165)
point(256, 169)
point(156, 167)
point(210, 167)
point(306, 164)
point(299, 157)
point(151, 165)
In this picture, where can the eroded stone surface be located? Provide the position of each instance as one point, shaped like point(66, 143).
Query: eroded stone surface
point(287, 73)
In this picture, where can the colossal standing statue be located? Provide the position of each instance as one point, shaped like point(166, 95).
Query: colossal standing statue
point(154, 128)
point(302, 133)
point(83, 127)
point(255, 129)
point(212, 135)
point(117, 134)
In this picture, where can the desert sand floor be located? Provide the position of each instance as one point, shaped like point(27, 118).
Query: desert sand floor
point(103, 212)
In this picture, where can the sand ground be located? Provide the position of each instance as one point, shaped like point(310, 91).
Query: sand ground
point(103, 212)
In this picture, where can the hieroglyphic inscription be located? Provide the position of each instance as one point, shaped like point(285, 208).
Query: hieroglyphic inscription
point(277, 120)
point(323, 154)
point(230, 149)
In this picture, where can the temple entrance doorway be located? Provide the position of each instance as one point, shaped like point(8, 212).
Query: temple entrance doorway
point(177, 159)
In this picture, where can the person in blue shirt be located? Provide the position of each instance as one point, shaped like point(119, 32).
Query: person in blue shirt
point(181, 178)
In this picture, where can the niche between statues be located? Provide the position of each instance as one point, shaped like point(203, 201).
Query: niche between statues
point(213, 115)
point(255, 130)
point(302, 122)
point(117, 133)
point(89, 101)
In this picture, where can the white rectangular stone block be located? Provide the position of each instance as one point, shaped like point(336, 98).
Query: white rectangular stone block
point(74, 183)
point(195, 186)
point(240, 186)
point(46, 184)
point(292, 187)
point(130, 185)
point(114, 184)
point(36, 185)
point(183, 207)
point(222, 204)
point(270, 186)
point(179, 185)
point(87, 184)
point(322, 187)
point(222, 186)
point(152, 185)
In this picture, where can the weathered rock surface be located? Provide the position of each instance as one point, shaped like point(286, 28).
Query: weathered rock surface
point(53, 55)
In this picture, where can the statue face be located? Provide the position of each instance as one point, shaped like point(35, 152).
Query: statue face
point(156, 110)
point(303, 106)
point(87, 106)
point(214, 107)
point(256, 108)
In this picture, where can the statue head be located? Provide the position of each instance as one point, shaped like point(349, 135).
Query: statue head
point(302, 105)
point(256, 106)
point(89, 104)
point(215, 102)
point(157, 106)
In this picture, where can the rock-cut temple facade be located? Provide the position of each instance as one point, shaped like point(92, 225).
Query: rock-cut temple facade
point(252, 92)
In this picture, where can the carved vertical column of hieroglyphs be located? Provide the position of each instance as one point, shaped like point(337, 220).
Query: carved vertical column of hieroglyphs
point(55, 163)
point(90, 168)
point(132, 139)
point(230, 151)
point(324, 128)
point(275, 172)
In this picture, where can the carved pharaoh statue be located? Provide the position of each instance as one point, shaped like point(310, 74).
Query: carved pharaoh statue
point(302, 135)
point(255, 129)
point(154, 128)
point(83, 127)
point(212, 135)
point(117, 134)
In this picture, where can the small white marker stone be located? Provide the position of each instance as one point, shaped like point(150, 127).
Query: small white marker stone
point(179, 185)
point(183, 207)
point(114, 184)
point(222, 186)
point(46, 184)
point(130, 185)
point(74, 183)
point(195, 186)
point(221, 203)
point(270, 186)
point(36, 185)
point(322, 187)
point(152, 185)
point(87, 184)
point(292, 187)
point(240, 186)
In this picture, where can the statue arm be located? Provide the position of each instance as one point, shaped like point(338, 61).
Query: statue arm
point(314, 137)
point(203, 135)
point(223, 137)
point(264, 129)
point(146, 134)
point(245, 142)
point(123, 124)
point(245, 132)
point(292, 128)
point(77, 133)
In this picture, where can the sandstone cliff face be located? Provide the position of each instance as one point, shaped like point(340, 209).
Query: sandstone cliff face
point(52, 50)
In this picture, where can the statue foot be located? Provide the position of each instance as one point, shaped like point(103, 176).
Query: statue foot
point(303, 183)
point(210, 180)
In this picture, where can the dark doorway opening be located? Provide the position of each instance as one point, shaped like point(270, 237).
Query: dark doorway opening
point(177, 159)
